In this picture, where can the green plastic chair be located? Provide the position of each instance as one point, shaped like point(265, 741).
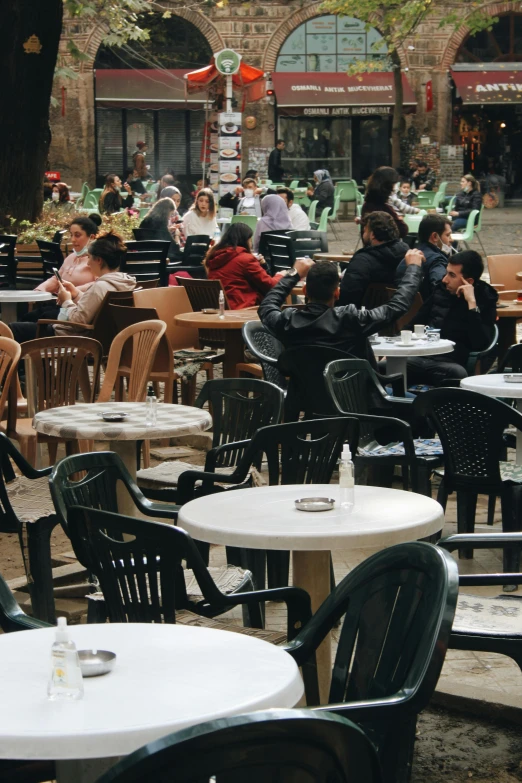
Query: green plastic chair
point(332, 218)
point(250, 220)
point(91, 201)
point(451, 204)
point(425, 198)
point(294, 184)
point(440, 195)
point(97, 192)
point(311, 211)
point(150, 186)
point(84, 191)
point(467, 235)
point(144, 211)
point(478, 228)
point(323, 220)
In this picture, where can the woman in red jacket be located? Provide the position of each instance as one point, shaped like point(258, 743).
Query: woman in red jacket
point(243, 277)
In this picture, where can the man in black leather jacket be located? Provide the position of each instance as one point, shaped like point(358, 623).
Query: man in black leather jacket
point(320, 322)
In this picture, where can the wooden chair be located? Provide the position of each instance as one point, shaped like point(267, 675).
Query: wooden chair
point(146, 338)
point(56, 368)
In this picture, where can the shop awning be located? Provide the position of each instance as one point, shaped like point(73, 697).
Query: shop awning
point(495, 86)
point(146, 89)
point(247, 78)
point(338, 93)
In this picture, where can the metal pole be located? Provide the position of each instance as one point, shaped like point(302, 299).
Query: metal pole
point(228, 93)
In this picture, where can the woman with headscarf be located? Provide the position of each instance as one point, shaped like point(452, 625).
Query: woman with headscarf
point(323, 192)
point(275, 218)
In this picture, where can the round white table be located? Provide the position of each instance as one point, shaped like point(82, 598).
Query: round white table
point(166, 677)
point(266, 518)
point(494, 385)
point(9, 300)
point(84, 421)
point(397, 354)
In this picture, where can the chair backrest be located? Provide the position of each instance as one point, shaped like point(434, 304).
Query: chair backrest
point(195, 249)
point(267, 349)
point(250, 220)
point(168, 303)
point(337, 201)
point(306, 243)
point(503, 270)
point(398, 606)
point(52, 256)
point(10, 352)
point(353, 386)
point(7, 258)
point(512, 361)
point(104, 328)
point(239, 407)
point(127, 316)
point(59, 235)
point(276, 745)
point(302, 452)
point(323, 220)
point(147, 235)
point(278, 249)
point(470, 427)
point(311, 211)
point(20, 400)
point(478, 224)
point(470, 225)
point(346, 190)
point(91, 200)
point(56, 368)
point(204, 294)
point(146, 260)
point(307, 390)
point(145, 337)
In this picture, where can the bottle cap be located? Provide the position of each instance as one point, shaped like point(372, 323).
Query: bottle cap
point(347, 454)
point(61, 630)
point(150, 391)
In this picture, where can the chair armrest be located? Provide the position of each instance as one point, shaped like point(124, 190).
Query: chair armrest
point(26, 468)
point(484, 541)
point(64, 323)
point(213, 454)
point(396, 381)
point(188, 479)
point(146, 506)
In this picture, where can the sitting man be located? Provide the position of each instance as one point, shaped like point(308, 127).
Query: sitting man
point(321, 322)
point(376, 262)
point(463, 307)
point(434, 242)
point(298, 217)
point(423, 178)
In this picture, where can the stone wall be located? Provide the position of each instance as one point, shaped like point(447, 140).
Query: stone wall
point(451, 166)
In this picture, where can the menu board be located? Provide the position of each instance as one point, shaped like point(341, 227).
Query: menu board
point(229, 151)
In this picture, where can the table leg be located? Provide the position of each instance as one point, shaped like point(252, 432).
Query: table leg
point(507, 335)
point(518, 456)
point(311, 571)
point(9, 312)
point(234, 352)
point(126, 450)
point(397, 364)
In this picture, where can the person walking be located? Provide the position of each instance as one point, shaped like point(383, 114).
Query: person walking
point(275, 169)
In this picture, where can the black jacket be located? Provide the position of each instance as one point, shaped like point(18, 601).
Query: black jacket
point(345, 328)
point(470, 331)
point(113, 202)
point(467, 202)
point(371, 264)
point(275, 170)
point(324, 194)
point(434, 268)
point(428, 178)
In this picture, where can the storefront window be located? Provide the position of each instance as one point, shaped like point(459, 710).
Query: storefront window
point(316, 143)
point(330, 44)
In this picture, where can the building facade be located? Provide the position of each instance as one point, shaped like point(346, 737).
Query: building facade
point(99, 117)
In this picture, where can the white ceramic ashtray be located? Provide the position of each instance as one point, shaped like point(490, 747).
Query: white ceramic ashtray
point(513, 377)
point(315, 504)
point(114, 415)
point(94, 663)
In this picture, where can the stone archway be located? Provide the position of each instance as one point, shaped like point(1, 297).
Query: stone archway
point(459, 36)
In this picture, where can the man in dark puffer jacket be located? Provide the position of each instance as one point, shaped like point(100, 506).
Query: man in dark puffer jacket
point(463, 307)
point(376, 262)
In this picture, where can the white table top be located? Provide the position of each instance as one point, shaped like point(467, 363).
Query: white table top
point(266, 518)
point(24, 296)
point(84, 421)
point(492, 385)
point(417, 348)
point(166, 677)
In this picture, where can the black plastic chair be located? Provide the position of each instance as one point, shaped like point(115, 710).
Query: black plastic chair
point(12, 617)
point(204, 294)
point(481, 361)
point(59, 235)
point(280, 745)
point(306, 243)
point(195, 250)
point(398, 608)
point(471, 429)
point(278, 250)
point(139, 567)
point(501, 631)
point(52, 256)
point(267, 349)
point(304, 452)
point(355, 389)
point(8, 260)
point(512, 361)
point(146, 260)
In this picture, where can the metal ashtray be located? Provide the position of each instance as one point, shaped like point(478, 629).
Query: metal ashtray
point(315, 504)
point(94, 663)
point(114, 415)
point(513, 377)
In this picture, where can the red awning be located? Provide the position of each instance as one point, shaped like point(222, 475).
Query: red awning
point(335, 90)
point(247, 77)
point(145, 89)
point(489, 86)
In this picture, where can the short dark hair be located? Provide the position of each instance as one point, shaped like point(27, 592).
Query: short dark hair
point(430, 224)
point(382, 226)
point(422, 164)
point(322, 281)
point(471, 262)
point(280, 141)
point(289, 193)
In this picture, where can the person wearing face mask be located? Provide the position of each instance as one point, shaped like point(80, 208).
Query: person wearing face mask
point(245, 200)
point(60, 198)
point(111, 200)
point(75, 269)
point(466, 200)
point(399, 205)
point(434, 239)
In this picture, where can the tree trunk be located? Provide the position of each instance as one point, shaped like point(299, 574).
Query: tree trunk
point(27, 78)
point(397, 111)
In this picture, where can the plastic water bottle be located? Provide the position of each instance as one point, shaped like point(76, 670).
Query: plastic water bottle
point(217, 235)
point(346, 480)
point(221, 304)
point(151, 412)
point(66, 681)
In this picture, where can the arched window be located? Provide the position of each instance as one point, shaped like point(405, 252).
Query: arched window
point(330, 44)
point(503, 43)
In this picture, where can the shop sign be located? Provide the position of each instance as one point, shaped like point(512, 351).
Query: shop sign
point(230, 150)
point(345, 111)
point(498, 87)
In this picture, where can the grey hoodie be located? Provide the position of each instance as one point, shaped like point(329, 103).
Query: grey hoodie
point(86, 306)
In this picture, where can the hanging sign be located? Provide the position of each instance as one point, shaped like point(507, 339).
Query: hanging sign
point(227, 61)
point(230, 150)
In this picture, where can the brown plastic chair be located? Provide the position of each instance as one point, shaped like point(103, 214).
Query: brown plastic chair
point(204, 294)
point(21, 402)
point(146, 338)
point(168, 303)
point(10, 352)
point(502, 273)
point(56, 368)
